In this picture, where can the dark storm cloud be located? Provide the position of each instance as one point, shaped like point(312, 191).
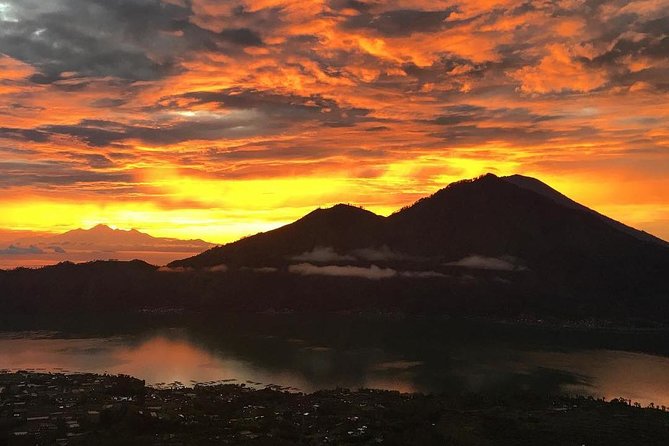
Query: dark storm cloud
point(95, 160)
point(472, 134)
point(655, 76)
point(269, 18)
point(441, 71)
point(13, 250)
point(93, 132)
point(13, 151)
point(89, 38)
point(21, 107)
point(653, 46)
point(106, 133)
point(242, 36)
point(285, 153)
point(523, 9)
point(255, 112)
point(338, 5)
point(55, 173)
point(466, 113)
point(609, 30)
point(286, 108)
point(128, 39)
point(249, 113)
point(655, 27)
point(108, 102)
point(401, 22)
point(109, 133)
point(23, 134)
point(649, 47)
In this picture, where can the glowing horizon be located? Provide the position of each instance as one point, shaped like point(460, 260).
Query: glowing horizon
point(197, 119)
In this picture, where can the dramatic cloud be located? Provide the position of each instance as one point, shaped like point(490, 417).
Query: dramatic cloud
point(218, 269)
point(265, 269)
point(422, 274)
point(384, 253)
point(177, 269)
point(136, 40)
point(13, 250)
point(56, 173)
point(401, 22)
point(373, 272)
point(325, 254)
point(282, 109)
point(242, 36)
point(201, 118)
point(89, 38)
point(506, 263)
point(322, 254)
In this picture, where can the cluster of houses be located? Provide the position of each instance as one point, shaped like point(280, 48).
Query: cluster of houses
point(42, 408)
point(38, 408)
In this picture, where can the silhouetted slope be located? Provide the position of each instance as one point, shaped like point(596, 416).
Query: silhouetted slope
point(494, 217)
point(568, 250)
point(487, 216)
point(542, 188)
point(341, 227)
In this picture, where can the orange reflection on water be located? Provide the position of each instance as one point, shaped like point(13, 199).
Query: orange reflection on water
point(158, 359)
point(638, 377)
point(161, 359)
point(171, 355)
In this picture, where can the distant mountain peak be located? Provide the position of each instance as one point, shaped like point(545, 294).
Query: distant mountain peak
point(97, 242)
point(100, 227)
point(104, 236)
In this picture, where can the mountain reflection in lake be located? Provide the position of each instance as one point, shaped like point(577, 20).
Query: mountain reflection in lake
point(311, 353)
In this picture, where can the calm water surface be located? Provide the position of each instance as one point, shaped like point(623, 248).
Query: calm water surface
point(311, 353)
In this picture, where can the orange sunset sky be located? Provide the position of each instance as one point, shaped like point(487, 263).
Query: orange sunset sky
point(217, 119)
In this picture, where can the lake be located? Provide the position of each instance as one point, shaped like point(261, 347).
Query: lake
point(308, 353)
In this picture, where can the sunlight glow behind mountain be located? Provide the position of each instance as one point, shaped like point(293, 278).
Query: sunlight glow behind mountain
point(218, 120)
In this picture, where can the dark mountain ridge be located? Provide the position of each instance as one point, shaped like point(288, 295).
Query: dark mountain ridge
point(489, 216)
point(500, 247)
point(342, 226)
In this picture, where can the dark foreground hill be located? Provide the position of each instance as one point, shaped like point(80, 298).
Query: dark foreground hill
point(491, 246)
